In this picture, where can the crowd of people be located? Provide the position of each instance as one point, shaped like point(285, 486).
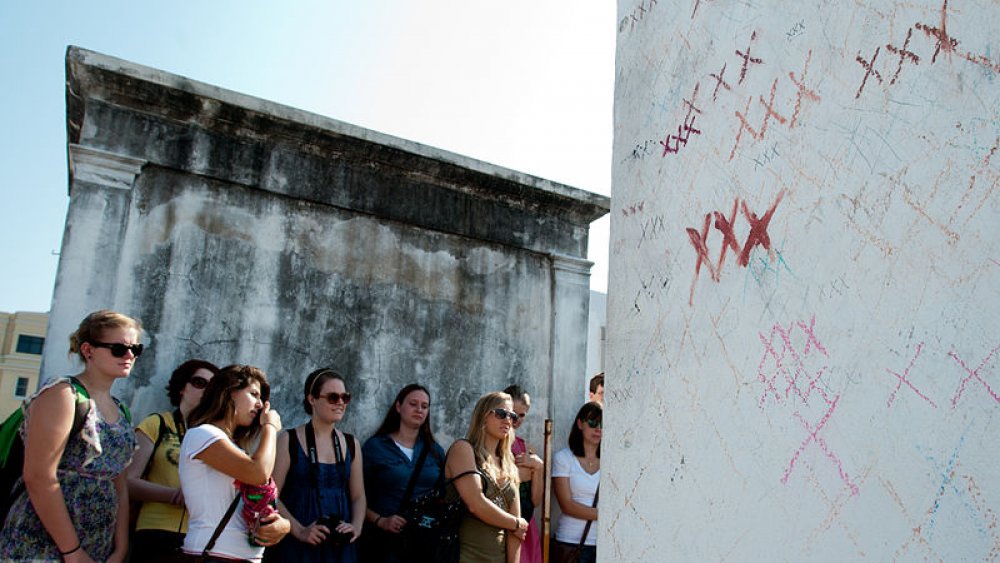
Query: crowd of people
point(218, 478)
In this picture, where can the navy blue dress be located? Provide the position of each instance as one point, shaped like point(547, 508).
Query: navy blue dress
point(299, 497)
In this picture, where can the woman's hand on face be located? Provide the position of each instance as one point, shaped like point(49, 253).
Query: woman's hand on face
point(269, 416)
point(393, 524)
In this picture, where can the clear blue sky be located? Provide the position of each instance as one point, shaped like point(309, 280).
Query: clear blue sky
point(524, 85)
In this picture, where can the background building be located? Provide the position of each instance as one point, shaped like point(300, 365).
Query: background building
point(238, 230)
point(23, 337)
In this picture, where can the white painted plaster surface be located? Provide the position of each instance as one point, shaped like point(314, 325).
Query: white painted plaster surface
point(835, 396)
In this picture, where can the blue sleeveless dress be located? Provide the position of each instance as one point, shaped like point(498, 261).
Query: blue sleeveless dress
point(299, 496)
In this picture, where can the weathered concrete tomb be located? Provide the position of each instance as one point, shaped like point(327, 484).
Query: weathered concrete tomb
point(242, 231)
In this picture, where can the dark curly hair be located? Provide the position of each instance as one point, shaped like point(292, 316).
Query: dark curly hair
point(183, 374)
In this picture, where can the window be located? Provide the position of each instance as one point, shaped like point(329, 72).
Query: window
point(29, 344)
point(21, 390)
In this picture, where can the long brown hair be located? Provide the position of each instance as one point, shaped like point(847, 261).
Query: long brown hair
point(477, 437)
point(392, 419)
point(217, 401)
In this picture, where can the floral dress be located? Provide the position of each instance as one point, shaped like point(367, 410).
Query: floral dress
point(86, 472)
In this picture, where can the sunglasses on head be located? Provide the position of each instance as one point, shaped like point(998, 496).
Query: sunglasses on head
point(502, 413)
point(198, 382)
point(594, 422)
point(118, 349)
point(334, 398)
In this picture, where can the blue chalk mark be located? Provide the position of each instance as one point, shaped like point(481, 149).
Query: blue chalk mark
point(765, 267)
point(947, 481)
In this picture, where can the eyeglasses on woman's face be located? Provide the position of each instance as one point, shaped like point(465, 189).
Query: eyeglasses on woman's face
point(198, 382)
point(502, 414)
point(333, 397)
point(594, 422)
point(118, 349)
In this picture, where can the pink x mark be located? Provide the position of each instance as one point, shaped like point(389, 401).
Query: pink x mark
point(814, 437)
point(903, 379)
point(973, 374)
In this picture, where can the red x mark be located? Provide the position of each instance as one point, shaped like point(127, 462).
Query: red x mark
point(725, 226)
point(747, 59)
point(744, 126)
point(903, 54)
point(903, 379)
point(803, 91)
point(869, 70)
point(973, 374)
point(945, 42)
point(757, 237)
point(769, 110)
point(699, 241)
point(758, 229)
point(684, 130)
point(720, 81)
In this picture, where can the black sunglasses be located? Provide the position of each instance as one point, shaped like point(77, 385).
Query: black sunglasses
point(334, 398)
point(118, 349)
point(502, 413)
point(594, 422)
point(198, 382)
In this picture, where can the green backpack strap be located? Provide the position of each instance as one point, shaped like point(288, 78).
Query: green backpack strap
point(82, 405)
point(10, 427)
point(8, 432)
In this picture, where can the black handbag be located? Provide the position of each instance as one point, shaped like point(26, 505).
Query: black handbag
point(432, 521)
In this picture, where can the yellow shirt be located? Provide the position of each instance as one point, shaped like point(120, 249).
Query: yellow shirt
point(163, 471)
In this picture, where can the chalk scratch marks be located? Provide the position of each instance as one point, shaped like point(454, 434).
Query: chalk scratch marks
point(904, 378)
point(974, 374)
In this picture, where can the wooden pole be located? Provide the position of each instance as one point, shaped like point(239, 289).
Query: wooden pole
point(546, 497)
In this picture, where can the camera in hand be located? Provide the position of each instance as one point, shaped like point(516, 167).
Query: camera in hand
point(334, 537)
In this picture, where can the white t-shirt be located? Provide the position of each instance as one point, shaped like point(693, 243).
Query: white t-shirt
point(208, 494)
point(582, 487)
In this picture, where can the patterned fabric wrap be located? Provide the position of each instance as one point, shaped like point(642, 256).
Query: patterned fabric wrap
point(258, 501)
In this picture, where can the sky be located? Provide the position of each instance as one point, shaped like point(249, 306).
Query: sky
point(525, 85)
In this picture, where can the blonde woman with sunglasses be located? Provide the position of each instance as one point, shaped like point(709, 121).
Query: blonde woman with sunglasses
point(484, 474)
point(319, 473)
point(153, 483)
point(72, 504)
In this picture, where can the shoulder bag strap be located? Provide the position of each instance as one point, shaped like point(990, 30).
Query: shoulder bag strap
point(162, 429)
point(222, 524)
point(416, 472)
point(586, 529)
point(338, 457)
point(180, 427)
